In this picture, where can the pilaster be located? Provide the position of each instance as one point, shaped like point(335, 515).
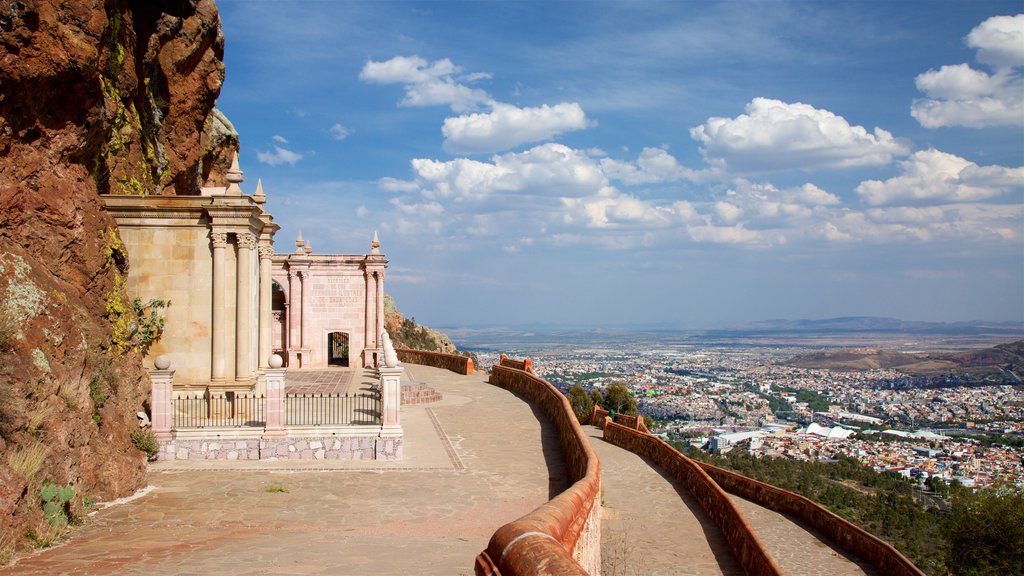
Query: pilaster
point(218, 331)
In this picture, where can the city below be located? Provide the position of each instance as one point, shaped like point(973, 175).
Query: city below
point(952, 411)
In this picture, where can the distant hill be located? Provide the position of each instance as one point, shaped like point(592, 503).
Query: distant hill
point(980, 363)
point(877, 324)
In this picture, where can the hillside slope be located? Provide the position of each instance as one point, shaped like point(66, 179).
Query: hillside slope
point(98, 97)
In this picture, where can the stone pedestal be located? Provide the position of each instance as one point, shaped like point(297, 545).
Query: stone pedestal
point(390, 395)
point(162, 417)
point(274, 378)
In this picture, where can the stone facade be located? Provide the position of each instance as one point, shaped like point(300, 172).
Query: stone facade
point(209, 256)
point(328, 309)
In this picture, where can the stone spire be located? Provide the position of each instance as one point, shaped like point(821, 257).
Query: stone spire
point(309, 248)
point(375, 245)
point(259, 197)
point(299, 243)
point(234, 177)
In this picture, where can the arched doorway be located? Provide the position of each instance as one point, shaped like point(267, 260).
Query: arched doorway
point(337, 349)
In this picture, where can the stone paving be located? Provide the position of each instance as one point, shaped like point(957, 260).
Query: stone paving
point(650, 524)
point(326, 381)
point(463, 476)
point(798, 548)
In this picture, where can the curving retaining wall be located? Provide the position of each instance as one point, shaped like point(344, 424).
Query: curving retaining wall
point(454, 362)
point(562, 536)
point(848, 536)
point(744, 542)
point(525, 364)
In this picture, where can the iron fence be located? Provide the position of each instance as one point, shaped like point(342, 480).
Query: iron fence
point(231, 410)
point(326, 409)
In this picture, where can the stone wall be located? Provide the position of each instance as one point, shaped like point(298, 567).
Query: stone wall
point(745, 544)
point(563, 536)
point(314, 446)
point(525, 364)
point(454, 362)
point(845, 534)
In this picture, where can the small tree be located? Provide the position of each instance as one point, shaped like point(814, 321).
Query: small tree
point(618, 398)
point(582, 403)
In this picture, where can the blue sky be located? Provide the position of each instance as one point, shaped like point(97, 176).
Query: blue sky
point(686, 163)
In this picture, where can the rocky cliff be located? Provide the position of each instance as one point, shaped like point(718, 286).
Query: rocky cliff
point(406, 333)
point(97, 97)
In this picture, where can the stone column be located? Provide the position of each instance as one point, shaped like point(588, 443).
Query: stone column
point(304, 327)
point(380, 304)
point(243, 316)
point(218, 331)
point(274, 375)
point(294, 316)
point(266, 295)
point(370, 338)
point(162, 419)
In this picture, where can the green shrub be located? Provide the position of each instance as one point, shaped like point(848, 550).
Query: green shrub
point(145, 440)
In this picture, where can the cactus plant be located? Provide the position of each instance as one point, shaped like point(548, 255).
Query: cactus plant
point(55, 502)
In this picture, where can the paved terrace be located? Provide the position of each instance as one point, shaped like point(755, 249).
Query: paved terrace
point(474, 461)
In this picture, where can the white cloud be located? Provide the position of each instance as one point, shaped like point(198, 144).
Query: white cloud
point(362, 212)
point(999, 41)
point(507, 126)
point(934, 176)
point(279, 156)
point(550, 169)
point(339, 132)
point(652, 166)
point(959, 95)
point(427, 83)
point(776, 135)
point(389, 184)
point(280, 139)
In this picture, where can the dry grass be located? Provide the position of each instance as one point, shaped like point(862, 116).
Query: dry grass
point(7, 549)
point(45, 535)
point(28, 460)
point(38, 417)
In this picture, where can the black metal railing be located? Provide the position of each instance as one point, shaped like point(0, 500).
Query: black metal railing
point(327, 409)
point(228, 411)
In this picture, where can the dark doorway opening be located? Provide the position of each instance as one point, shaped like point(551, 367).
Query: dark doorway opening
point(337, 349)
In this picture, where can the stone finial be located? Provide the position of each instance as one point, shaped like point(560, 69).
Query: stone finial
point(259, 197)
point(234, 176)
point(309, 248)
point(275, 361)
point(162, 362)
point(390, 356)
point(375, 245)
point(299, 243)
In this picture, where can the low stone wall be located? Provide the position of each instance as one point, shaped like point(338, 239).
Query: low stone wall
point(744, 542)
point(525, 364)
point(562, 536)
point(454, 362)
point(314, 446)
point(419, 393)
point(848, 536)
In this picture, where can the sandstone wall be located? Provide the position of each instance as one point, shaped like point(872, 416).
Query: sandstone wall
point(98, 96)
point(845, 534)
point(562, 537)
point(454, 362)
point(745, 544)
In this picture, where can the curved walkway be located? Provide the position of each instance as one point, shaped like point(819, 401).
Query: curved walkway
point(473, 461)
point(650, 524)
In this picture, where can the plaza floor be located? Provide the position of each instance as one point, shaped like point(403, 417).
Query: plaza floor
point(479, 458)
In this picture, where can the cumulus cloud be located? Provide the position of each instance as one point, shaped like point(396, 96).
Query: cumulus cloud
point(279, 156)
point(389, 184)
point(776, 135)
point(280, 139)
point(934, 176)
point(546, 170)
point(652, 166)
point(339, 132)
point(427, 83)
point(999, 41)
point(959, 95)
point(507, 126)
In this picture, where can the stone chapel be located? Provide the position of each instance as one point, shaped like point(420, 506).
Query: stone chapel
point(233, 301)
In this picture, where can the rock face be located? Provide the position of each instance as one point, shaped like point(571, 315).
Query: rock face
point(406, 333)
point(98, 97)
